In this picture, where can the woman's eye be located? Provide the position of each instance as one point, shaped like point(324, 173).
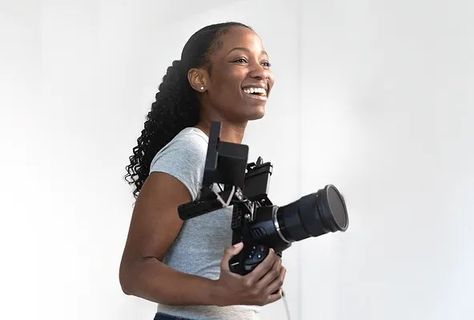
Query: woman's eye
point(266, 64)
point(240, 60)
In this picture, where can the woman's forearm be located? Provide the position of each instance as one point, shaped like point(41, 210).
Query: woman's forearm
point(151, 279)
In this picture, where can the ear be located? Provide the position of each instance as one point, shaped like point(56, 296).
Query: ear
point(197, 78)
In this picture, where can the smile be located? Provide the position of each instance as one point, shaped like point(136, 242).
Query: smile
point(255, 92)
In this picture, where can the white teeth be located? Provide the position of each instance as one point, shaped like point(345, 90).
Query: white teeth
point(258, 90)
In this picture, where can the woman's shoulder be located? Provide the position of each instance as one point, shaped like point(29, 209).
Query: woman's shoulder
point(190, 139)
point(184, 158)
point(189, 145)
point(191, 134)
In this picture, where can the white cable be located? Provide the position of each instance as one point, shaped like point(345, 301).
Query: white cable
point(225, 203)
point(219, 198)
point(287, 309)
point(230, 196)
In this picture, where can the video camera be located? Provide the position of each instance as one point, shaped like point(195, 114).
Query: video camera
point(256, 222)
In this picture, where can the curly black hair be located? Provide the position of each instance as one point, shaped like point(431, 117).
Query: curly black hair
point(177, 105)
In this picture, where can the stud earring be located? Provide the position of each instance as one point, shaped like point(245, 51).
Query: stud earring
point(202, 88)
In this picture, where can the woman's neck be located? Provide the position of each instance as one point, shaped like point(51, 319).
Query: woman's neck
point(230, 132)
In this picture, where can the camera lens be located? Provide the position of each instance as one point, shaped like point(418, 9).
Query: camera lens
point(313, 215)
point(337, 208)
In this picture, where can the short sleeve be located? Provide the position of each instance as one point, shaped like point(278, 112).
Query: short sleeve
point(183, 158)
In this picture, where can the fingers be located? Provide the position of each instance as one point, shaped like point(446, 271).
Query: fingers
point(275, 286)
point(272, 280)
point(264, 266)
point(272, 274)
point(229, 253)
point(259, 287)
point(275, 296)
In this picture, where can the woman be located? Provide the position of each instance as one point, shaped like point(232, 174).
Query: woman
point(224, 75)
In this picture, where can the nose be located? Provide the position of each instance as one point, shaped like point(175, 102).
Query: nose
point(259, 72)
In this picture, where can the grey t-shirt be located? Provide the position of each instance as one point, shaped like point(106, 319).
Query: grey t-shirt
point(200, 244)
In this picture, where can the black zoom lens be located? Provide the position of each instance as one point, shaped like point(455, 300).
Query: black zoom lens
point(313, 215)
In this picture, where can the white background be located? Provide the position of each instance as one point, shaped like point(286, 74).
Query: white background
point(375, 97)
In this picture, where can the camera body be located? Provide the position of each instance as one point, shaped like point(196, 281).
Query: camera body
point(256, 222)
point(253, 220)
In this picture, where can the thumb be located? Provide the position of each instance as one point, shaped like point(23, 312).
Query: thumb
point(229, 253)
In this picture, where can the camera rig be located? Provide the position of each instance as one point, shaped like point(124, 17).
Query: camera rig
point(229, 181)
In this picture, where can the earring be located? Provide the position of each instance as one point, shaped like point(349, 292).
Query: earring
point(202, 88)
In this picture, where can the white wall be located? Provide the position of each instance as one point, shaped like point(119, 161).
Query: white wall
point(372, 97)
point(387, 100)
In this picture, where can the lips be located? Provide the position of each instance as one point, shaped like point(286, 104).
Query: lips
point(256, 91)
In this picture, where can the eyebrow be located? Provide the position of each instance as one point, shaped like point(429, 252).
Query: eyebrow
point(245, 49)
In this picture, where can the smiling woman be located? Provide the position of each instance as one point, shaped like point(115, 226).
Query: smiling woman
point(223, 75)
point(239, 81)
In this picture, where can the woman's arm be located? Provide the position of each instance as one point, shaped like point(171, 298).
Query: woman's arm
point(154, 226)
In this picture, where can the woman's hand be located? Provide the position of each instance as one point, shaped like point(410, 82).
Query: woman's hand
point(259, 287)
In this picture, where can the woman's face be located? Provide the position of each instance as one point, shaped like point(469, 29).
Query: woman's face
point(240, 78)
